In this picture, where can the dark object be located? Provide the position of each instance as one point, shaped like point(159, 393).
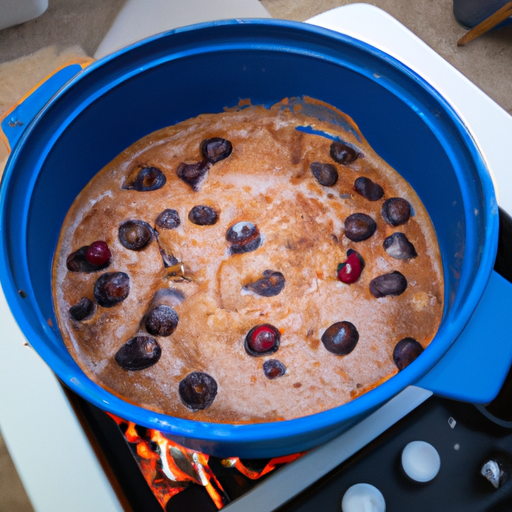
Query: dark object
point(326, 174)
point(340, 338)
point(270, 285)
point(84, 309)
point(243, 237)
point(342, 153)
point(396, 211)
point(111, 288)
point(359, 227)
point(216, 149)
point(273, 369)
point(203, 215)
point(193, 174)
point(368, 188)
point(262, 340)
point(405, 352)
point(398, 246)
point(138, 353)
point(392, 284)
point(147, 180)
point(198, 391)
point(135, 234)
point(162, 321)
point(78, 262)
point(470, 13)
point(168, 219)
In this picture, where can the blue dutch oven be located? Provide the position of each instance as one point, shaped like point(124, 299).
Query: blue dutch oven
point(69, 135)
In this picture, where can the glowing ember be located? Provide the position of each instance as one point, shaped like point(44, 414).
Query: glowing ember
point(170, 468)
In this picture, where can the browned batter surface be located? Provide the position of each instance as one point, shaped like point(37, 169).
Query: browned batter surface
point(267, 181)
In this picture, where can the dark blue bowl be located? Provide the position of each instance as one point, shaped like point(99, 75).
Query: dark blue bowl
point(189, 71)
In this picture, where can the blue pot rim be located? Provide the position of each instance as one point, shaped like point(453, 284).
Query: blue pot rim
point(74, 378)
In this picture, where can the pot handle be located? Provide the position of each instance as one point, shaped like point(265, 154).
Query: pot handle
point(18, 117)
point(477, 364)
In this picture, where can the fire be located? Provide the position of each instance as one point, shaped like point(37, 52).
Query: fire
point(170, 468)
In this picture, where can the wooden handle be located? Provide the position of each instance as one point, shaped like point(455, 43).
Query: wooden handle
point(487, 24)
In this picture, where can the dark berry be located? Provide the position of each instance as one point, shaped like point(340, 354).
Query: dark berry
point(243, 237)
point(98, 253)
point(262, 340)
point(203, 215)
point(343, 153)
point(84, 309)
point(326, 174)
point(270, 285)
point(396, 211)
point(138, 353)
point(148, 179)
point(162, 321)
point(359, 227)
point(392, 284)
point(350, 271)
point(368, 189)
point(216, 149)
point(193, 174)
point(135, 234)
point(273, 369)
point(78, 262)
point(405, 352)
point(111, 288)
point(340, 338)
point(168, 219)
point(198, 391)
point(398, 246)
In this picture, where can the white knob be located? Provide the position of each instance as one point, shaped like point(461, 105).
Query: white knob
point(363, 498)
point(420, 461)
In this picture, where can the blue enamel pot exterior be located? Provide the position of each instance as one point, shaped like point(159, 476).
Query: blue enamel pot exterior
point(204, 68)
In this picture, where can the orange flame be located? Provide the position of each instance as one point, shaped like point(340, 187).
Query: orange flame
point(169, 468)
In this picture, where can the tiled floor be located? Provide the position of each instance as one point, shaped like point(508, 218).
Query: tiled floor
point(77, 27)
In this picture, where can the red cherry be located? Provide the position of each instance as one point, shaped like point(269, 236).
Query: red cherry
point(350, 271)
point(98, 253)
point(261, 340)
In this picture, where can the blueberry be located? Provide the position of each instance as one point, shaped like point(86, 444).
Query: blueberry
point(270, 285)
point(84, 309)
point(78, 261)
point(396, 211)
point(193, 174)
point(392, 284)
point(398, 246)
point(135, 234)
point(340, 338)
point(368, 189)
point(273, 369)
point(168, 219)
point(243, 237)
point(148, 179)
point(359, 227)
point(162, 321)
point(111, 288)
point(342, 153)
point(216, 149)
point(326, 174)
point(198, 391)
point(405, 352)
point(262, 340)
point(138, 353)
point(203, 215)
